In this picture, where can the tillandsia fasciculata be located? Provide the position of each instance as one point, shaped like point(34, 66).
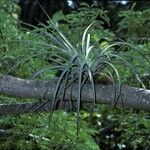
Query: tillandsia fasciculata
point(81, 63)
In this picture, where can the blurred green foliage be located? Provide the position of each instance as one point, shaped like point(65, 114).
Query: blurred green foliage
point(136, 24)
point(45, 132)
point(131, 129)
point(58, 131)
point(15, 56)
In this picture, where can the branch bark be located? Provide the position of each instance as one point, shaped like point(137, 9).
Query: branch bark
point(22, 88)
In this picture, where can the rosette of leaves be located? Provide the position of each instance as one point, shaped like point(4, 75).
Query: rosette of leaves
point(82, 63)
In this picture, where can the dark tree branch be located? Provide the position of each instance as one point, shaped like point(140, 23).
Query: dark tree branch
point(22, 88)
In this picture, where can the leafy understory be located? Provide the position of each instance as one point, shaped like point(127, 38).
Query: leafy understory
point(35, 131)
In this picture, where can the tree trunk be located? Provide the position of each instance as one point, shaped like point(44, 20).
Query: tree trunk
point(136, 98)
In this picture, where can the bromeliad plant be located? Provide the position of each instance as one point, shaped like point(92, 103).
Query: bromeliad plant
point(83, 62)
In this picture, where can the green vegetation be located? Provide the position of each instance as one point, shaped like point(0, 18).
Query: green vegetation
point(44, 131)
point(85, 56)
